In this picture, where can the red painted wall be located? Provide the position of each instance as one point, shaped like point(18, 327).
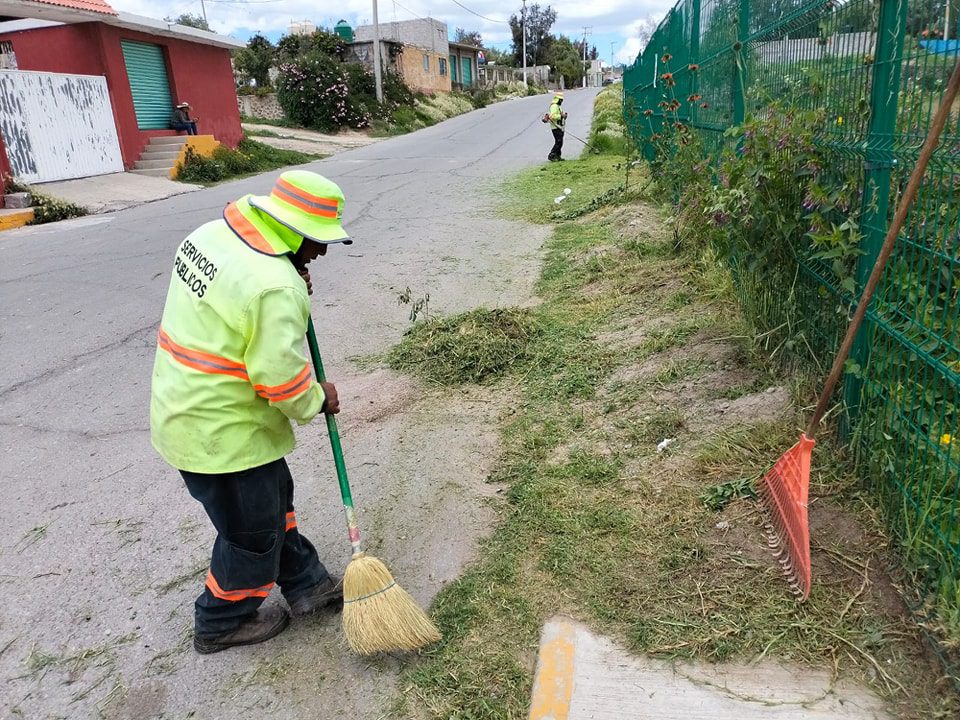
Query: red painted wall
point(199, 74)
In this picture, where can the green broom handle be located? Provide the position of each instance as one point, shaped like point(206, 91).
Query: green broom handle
point(335, 444)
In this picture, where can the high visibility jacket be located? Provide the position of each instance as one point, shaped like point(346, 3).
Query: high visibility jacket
point(556, 116)
point(230, 370)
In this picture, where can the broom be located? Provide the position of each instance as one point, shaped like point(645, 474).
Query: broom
point(378, 615)
point(786, 487)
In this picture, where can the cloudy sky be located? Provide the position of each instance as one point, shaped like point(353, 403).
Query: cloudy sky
point(612, 21)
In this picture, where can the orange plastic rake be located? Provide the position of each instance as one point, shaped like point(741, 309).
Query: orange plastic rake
point(785, 488)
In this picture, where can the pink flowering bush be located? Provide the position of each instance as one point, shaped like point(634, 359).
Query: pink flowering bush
point(315, 92)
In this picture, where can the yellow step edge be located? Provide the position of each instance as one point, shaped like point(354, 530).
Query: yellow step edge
point(13, 219)
point(201, 144)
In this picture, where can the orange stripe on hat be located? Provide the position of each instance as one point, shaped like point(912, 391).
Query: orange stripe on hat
point(246, 230)
point(291, 520)
point(307, 196)
point(301, 203)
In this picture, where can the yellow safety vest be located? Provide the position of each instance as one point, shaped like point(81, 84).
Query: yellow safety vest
point(556, 116)
point(230, 370)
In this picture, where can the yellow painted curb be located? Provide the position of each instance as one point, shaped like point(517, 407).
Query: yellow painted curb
point(553, 685)
point(201, 144)
point(10, 220)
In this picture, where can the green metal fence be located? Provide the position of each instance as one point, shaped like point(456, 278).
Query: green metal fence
point(876, 69)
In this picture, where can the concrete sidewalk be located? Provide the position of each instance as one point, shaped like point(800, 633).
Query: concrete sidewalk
point(581, 676)
point(308, 141)
point(118, 191)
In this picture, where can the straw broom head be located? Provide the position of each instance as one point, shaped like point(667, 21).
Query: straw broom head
point(379, 615)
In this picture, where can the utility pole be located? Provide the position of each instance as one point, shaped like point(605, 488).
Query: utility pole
point(377, 70)
point(204, 9)
point(612, 46)
point(586, 31)
point(523, 32)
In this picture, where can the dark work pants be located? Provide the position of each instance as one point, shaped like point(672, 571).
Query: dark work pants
point(190, 127)
point(557, 144)
point(257, 546)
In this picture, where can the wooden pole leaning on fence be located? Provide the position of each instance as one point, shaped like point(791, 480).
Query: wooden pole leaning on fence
point(903, 208)
point(785, 488)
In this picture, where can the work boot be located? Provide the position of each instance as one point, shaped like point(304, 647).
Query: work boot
point(267, 623)
point(326, 595)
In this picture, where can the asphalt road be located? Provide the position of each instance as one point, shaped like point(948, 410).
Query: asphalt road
point(103, 551)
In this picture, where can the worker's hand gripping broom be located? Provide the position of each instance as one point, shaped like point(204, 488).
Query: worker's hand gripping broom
point(785, 488)
point(378, 615)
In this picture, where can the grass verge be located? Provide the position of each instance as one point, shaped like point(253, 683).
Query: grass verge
point(633, 344)
point(249, 158)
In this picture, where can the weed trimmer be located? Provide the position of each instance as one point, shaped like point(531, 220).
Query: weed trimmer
point(378, 615)
point(589, 146)
point(785, 488)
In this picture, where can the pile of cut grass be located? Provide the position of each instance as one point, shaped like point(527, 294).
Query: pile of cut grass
point(474, 347)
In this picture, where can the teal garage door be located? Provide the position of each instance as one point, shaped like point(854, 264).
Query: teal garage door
point(454, 75)
point(147, 71)
point(467, 71)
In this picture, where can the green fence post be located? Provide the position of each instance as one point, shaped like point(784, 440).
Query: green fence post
point(739, 63)
point(878, 167)
point(694, 58)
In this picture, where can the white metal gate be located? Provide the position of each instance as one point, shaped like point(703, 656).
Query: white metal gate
point(57, 126)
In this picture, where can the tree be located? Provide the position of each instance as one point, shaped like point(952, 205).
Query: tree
point(190, 20)
point(472, 37)
point(566, 60)
point(539, 22)
point(255, 60)
point(644, 30)
point(500, 57)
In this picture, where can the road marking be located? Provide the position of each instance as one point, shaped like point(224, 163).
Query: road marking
point(553, 685)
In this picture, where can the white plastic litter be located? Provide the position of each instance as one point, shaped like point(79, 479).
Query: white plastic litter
point(560, 199)
point(665, 443)
point(722, 525)
point(567, 191)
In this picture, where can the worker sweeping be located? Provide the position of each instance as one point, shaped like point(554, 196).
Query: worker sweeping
point(229, 376)
point(558, 120)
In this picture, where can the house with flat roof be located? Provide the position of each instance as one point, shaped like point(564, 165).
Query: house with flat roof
point(94, 89)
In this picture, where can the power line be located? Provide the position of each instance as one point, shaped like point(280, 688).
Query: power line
point(409, 10)
point(483, 17)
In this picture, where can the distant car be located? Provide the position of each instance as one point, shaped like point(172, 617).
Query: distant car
point(608, 81)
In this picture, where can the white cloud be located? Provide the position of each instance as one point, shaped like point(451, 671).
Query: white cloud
point(606, 17)
point(628, 53)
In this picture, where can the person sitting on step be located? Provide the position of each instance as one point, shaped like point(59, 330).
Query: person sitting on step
point(181, 119)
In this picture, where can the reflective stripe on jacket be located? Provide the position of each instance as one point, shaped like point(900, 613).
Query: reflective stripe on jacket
point(230, 369)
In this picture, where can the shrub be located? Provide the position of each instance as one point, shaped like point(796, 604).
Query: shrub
point(314, 91)
point(196, 168)
point(481, 98)
point(249, 157)
point(48, 209)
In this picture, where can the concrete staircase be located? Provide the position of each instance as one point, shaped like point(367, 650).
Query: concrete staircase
point(161, 156)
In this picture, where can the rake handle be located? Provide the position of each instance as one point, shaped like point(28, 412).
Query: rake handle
point(334, 435)
point(909, 195)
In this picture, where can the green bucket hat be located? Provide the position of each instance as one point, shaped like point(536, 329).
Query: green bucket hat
point(308, 204)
